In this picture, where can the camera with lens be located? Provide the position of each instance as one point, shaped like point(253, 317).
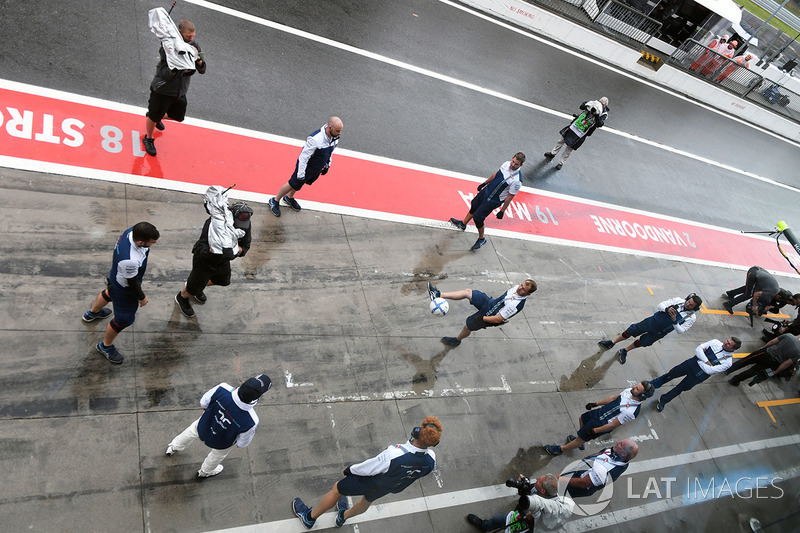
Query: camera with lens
point(523, 485)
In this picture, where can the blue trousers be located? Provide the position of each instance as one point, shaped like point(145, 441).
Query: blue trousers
point(692, 375)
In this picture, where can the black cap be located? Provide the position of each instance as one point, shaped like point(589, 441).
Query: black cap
point(252, 389)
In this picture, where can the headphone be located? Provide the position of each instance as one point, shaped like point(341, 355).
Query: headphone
point(648, 388)
point(417, 430)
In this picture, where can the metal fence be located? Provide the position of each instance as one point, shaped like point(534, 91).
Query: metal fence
point(612, 17)
point(615, 17)
point(716, 68)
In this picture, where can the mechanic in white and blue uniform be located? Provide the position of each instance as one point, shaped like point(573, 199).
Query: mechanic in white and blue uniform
point(314, 160)
point(124, 286)
point(601, 468)
point(491, 312)
point(497, 191)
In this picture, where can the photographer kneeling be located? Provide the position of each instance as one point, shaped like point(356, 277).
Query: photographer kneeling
point(538, 500)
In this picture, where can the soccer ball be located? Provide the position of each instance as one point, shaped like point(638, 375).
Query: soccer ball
point(439, 307)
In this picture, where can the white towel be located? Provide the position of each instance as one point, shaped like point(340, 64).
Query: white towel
point(180, 54)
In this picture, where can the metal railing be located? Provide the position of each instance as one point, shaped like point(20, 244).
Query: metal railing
point(716, 68)
point(612, 17)
point(626, 21)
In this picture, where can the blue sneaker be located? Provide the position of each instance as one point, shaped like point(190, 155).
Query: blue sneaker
point(274, 207)
point(606, 344)
point(433, 292)
point(478, 244)
point(552, 449)
point(571, 438)
point(303, 512)
point(88, 316)
point(623, 355)
point(111, 353)
point(291, 202)
point(341, 507)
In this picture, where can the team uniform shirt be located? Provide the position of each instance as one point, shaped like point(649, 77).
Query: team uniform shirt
point(396, 467)
point(227, 419)
point(130, 261)
point(604, 465)
point(316, 153)
point(552, 512)
point(684, 320)
point(712, 358)
point(624, 408)
point(509, 304)
point(509, 182)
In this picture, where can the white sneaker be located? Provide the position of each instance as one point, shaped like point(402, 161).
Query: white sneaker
point(213, 473)
point(170, 450)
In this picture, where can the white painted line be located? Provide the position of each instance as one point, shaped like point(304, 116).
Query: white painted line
point(668, 504)
point(580, 55)
point(380, 511)
point(483, 90)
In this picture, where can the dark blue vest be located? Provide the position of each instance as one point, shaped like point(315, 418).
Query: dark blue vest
point(320, 158)
point(223, 421)
point(122, 251)
point(496, 187)
point(404, 470)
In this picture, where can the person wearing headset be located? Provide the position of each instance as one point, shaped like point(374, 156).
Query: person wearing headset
point(314, 160)
point(614, 411)
point(609, 462)
point(391, 471)
point(674, 314)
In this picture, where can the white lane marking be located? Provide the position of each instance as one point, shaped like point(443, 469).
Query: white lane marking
point(290, 383)
point(380, 511)
point(580, 55)
point(477, 88)
point(163, 183)
point(458, 390)
point(668, 504)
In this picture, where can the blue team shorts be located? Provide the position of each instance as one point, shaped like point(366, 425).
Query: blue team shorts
point(125, 304)
point(649, 329)
point(310, 177)
point(590, 419)
point(481, 302)
point(354, 485)
point(481, 207)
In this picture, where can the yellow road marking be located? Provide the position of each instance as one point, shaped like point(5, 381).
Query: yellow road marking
point(650, 290)
point(770, 403)
point(706, 311)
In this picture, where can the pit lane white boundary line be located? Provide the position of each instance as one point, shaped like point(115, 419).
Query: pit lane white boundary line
point(380, 511)
point(490, 92)
point(163, 183)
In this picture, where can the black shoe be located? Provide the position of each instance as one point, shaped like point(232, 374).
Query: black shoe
point(149, 145)
point(571, 438)
point(457, 223)
point(433, 292)
point(660, 405)
point(200, 297)
point(623, 355)
point(451, 341)
point(606, 344)
point(549, 155)
point(291, 202)
point(728, 307)
point(559, 166)
point(184, 305)
point(475, 521)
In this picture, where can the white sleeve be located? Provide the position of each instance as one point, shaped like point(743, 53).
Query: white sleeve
point(666, 303)
point(377, 465)
point(206, 399)
point(515, 187)
point(700, 351)
point(598, 477)
point(305, 155)
point(624, 418)
point(128, 268)
point(243, 439)
point(688, 323)
point(725, 363)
